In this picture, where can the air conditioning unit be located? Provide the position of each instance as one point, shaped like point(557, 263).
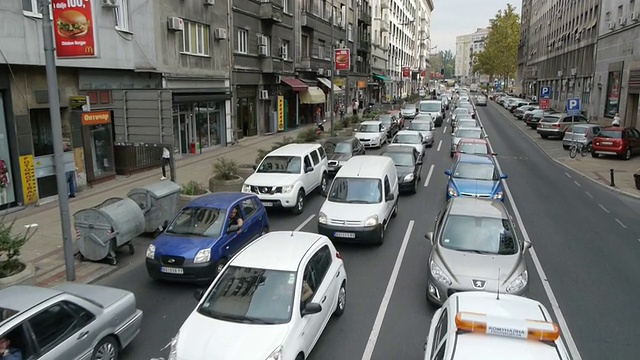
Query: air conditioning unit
point(110, 3)
point(175, 23)
point(634, 16)
point(264, 94)
point(278, 79)
point(327, 73)
point(209, 2)
point(262, 40)
point(263, 50)
point(622, 21)
point(612, 25)
point(574, 71)
point(358, 58)
point(220, 33)
point(320, 71)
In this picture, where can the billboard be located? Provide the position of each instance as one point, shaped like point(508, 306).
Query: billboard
point(406, 72)
point(342, 59)
point(74, 29)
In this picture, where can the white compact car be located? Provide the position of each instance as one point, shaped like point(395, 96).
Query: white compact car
point(371, 133)
point(489, 326)
point(271, 302)
point(287, 175)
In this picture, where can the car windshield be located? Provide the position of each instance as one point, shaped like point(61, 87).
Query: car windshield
point(479, 234)
point(198, 221)
point(430, 107)
point(469, 133)
point(550, 119)
point(422, 117)
point(342, 148)
point(251, 296)
point(407, 139)
point(577, 130)
point(421, 126)
point(281, 165)
point(473, 171)
point(6, 314)
point(610, 134)
point(463, 116)
point(385, 119)
point(409, 107)
point(369, 128)
point(401, 158)
point(471, 148)
point(356, 191)
point(467, 123)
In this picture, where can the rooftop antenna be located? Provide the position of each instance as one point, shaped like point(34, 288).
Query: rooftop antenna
point(498, 287)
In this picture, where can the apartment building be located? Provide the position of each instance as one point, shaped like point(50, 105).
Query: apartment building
point(421, 65)
point(462, 57)
point(403, 38)
point(380, 50)
point(560, 48)
point(616, 87)
point(478, 39)
point(525, 73)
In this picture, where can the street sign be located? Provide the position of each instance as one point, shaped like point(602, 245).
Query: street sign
point(544, 104)
point(545, 92)
point(573, 107)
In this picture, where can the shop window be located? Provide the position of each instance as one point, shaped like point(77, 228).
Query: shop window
point(101, 146)
point(41, 132)
point(209, 119)
point(612, 102)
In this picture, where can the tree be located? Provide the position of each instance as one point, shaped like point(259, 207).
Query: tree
point(448, 63)
point(500, 55)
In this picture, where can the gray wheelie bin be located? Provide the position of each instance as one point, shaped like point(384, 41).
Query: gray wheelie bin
point(158, 202)
point(104, 228)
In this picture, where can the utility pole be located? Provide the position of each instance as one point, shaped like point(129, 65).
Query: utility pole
point(333, 67)
point(56, 130)
point(347, 90)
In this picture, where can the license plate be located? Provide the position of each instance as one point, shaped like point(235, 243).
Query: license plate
point(607, 143)
point(170, 270)
point(267, 204)
point(344, 235)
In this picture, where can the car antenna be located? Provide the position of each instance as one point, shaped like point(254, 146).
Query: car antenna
point(498, 287)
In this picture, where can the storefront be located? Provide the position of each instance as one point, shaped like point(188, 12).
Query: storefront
point(291, 92)
point(97, 139)
point(246, 111)
point(382, 82)
point(198, 126)
point(338, 94)
point(311, 100)
point(7, 190)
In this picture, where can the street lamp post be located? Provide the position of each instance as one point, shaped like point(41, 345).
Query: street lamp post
point(333, 67)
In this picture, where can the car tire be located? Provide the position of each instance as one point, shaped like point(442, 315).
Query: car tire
point(594, 154)
point(298, 208)
point(106, 349)
point(380, 240)
point(544, 136)
point(341, 303)
point(415, 186)
point(566, 147)
point(396, 209)
point(300, 357)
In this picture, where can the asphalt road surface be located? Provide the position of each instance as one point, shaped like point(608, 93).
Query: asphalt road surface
point(585, 239)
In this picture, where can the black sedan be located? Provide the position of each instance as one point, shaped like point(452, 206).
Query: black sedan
point(340, 149)
point(408, 166)
point(390, 123)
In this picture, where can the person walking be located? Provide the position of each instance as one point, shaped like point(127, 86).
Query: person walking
point(166, 157)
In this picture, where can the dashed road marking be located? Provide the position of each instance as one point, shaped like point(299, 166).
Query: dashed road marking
point(604, 209)
point(568, 175)
point(426, 182)
point(588, 194)
point(444, 131)
point(439, 145)
point(304, 223)
point(577, 183)
point(621, 224)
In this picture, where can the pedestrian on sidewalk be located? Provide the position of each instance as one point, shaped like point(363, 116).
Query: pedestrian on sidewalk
point(166, 157)
point(71, 183)
point(616, 120)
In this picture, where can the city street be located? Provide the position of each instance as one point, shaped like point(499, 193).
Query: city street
point(585, 239)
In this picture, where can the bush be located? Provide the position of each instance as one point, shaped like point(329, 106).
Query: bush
point(10, 246)
point(412, 98)
point(225, 169)
point(193, 188)
point(308, 136)
point(338, 125)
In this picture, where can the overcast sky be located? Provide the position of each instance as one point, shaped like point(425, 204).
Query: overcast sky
point(451, 18)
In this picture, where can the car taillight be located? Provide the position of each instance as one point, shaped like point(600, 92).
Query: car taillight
point(557, 126)
point(338, 255)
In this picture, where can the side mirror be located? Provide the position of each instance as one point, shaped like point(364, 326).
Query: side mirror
point(390, 197)
point(494, 154)
point(503, 176)
point(429, 236)
point(311, 308)
point(308, 169)
point(447, 172)
point(165, 224)
point(419, 162)
point(255, 167)
point(355, 129)
point(233, 228)
point(199, 293)
point(527, 245)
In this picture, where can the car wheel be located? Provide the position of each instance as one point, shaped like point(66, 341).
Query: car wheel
point(396, 208)
point(299, 207)
point(106, 349)
point(627, 155)
point(342, 300)
point(221, 264)
point(566, 147)
point(594, 154)
point(415, 186)
point(324, 184)
point(544, 136)
point(380, 235)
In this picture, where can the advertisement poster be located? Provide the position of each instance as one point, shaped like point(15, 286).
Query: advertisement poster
point(73, 28)
point(29, 184)
point(280, 113)
point(343, 59)
point(406, 72)
point(423, 73)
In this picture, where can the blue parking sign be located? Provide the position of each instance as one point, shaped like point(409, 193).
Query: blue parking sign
point(573, 107)
point(545, 92)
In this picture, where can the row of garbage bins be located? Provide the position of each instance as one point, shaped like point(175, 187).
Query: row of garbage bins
point(113, 224)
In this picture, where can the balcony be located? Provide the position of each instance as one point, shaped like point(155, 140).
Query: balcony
point(269, 12)
point(365, 15)
point(384, 25)
point(266, 64)
point(384, 46)
point(364, 44)
point(384, 4)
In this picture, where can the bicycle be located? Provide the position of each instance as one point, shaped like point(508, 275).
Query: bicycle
point(578, 147)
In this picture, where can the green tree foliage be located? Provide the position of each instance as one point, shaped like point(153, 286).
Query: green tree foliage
point(444, 60)
point(500, 55)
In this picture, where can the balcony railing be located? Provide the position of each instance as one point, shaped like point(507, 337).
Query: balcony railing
point(269, 12)
point(384, 4)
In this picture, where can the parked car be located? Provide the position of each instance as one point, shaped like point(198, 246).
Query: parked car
point(475, 247)
point(426, 128)
point(272, 301)
point(536, 116)
point(339, 150)
point(409, 138)
point(475, 176)
point(408, 163)
point(469, 106)
point(473, 146)
point(202, 238)
point(617, 141)
point(582, 133)
point(371, 133)
point(390, 123)
point(520, 111)
point(481, 100)
point(409, 111)
point(464, 123)
point(69, 321)
point(554, 125)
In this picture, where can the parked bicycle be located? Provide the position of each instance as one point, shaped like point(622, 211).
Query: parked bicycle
point(578, 147)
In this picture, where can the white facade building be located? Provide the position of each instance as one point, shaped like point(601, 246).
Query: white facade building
point(463, 57)
point(478, 39)
point(402, 15)
point(421, 54)
point(380, 27)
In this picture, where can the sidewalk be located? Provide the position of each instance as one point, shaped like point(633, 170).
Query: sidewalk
point(594, 169)
point(45, 249)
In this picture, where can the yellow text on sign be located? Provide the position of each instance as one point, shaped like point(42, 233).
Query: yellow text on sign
point(29, 184)
point(280, 113)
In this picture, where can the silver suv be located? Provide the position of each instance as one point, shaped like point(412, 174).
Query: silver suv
point(554, 125)
point(475, 247)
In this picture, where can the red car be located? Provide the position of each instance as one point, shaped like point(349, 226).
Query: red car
point(473, 146)
point(618, 141)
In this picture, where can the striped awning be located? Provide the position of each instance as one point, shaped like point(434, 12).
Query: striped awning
point(327, 83)
point(313, 95)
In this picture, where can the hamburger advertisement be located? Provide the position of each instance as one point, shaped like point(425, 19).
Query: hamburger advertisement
point(343, 59)
point(73, 28)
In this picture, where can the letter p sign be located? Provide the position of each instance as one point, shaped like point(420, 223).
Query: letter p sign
point(573, 106)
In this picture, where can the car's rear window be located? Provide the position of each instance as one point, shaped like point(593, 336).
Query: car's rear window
point(578, 130)
point(6, 314)
point(610, 134)
point(550, 119)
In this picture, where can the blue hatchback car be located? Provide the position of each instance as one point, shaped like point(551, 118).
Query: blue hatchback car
point(199, 241)
point(475, 176)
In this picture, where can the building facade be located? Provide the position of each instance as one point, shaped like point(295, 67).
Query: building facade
point(380, 50)
point(403, 39)
point(616, 84)
point(559, 49)
point(463, 56)
point(478, 39)
point(421, 67)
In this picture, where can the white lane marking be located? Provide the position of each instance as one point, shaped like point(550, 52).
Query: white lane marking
point(426, 182)
point(304, 223)
point(621, 224)
point(555, 306)
point(568, 175)
point(604, 209)
point(377, 324)
point(444, 131)
point(439, 145)
point(588, 194)
point(577, 183)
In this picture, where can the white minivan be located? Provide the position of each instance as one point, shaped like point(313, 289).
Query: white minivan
point(361, 201)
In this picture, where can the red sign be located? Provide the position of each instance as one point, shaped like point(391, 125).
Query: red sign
point(406, 72)
point(74, 32)
point(423, 73)
point(544, 104)
point(343, 59)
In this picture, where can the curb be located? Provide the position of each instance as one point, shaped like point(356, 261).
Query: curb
point(611, 189)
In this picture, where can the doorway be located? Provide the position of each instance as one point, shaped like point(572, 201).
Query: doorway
point(631, 114)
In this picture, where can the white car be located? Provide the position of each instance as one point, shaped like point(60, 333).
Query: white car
point(433, 108)
point(371, 133)
point(271, 302)
point(488, 326)
point(426, 128)
point(409, 138)
point(288, 174)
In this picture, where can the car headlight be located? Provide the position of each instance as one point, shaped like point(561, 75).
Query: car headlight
point(287, 189)
point(438, 274)
point(498, 195)
point(408, 178)
point(173, 350)
point(276, 354)
point(519, 282)
point(371, 221)
point(151, 252)
point(246, 188)
point(203, 255)
point(322, 218)
point(451, 191)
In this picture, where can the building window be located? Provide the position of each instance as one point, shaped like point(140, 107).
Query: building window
point(195, 39)
point(267, 44)
point(321, 48)
point(305, 46)
point(285, 6)
point(284, 50)
point(32, 8)
point(243, 41)
point(121, 14)
point(612, 102)
point(350, 32)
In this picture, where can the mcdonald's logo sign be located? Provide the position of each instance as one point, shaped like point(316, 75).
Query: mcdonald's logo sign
point(88, 50)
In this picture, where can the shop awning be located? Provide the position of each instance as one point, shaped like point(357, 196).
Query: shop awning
point(381, 77)
point(327, 83)
point(313, 95)
point(295, 84)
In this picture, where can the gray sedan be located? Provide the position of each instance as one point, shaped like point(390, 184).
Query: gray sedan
point(426, 128)
point(466, 133)
point(475, 248)
point(70, 321)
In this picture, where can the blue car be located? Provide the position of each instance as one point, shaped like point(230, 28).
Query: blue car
point(199, 241)
point(475, 176)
